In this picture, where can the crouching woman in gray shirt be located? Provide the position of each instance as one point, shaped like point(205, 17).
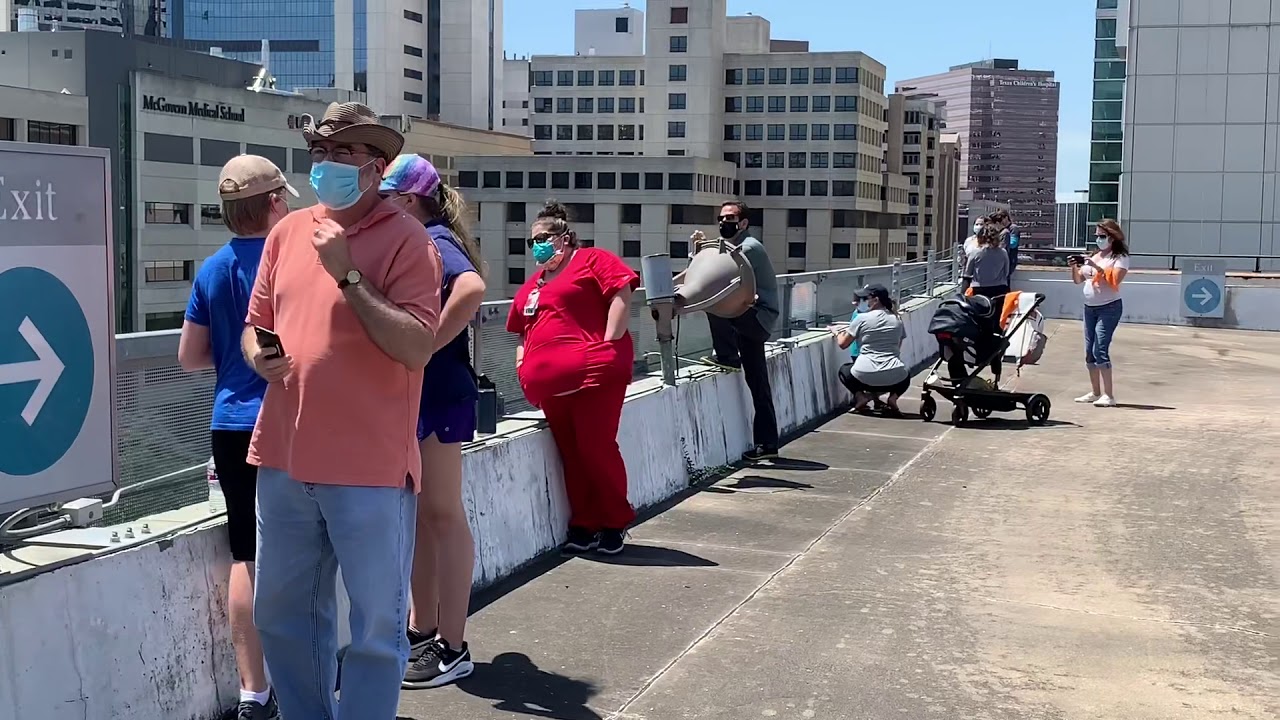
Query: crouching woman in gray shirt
point(878, 369)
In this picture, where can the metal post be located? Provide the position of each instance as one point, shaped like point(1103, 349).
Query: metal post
point(786, 307)
point(663, 312)
point(929, 274)
point(955, 266)
point(477, 343)
point(896, 282)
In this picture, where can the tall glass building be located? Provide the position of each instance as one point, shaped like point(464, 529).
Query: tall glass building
point(1106, 147)
point(301, 35)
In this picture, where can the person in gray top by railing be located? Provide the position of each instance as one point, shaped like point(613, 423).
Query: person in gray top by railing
point(986, 273)
point(738, 343)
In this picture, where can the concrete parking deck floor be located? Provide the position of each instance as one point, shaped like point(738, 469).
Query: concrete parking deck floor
point(1116, 563)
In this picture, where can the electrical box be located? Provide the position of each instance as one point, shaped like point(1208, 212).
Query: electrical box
point(83, 512)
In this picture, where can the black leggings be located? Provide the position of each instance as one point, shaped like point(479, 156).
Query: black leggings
point(856, 386)
point(989, 342)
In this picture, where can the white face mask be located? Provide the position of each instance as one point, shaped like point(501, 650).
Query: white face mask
point(977, 228)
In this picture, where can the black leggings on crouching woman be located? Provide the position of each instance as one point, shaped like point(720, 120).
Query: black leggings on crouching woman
point(856, 386)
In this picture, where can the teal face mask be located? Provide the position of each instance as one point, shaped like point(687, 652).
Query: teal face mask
point(337, 186)
point(543, 250)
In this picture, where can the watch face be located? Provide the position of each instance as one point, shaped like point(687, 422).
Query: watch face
point(353, 277)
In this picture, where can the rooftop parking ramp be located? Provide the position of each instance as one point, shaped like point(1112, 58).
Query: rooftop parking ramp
point(1113, 563)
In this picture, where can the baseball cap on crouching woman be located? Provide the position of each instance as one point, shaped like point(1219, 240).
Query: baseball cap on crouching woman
point(248, 176)
point(879, 292)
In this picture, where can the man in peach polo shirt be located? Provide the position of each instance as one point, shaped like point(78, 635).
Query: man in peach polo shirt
point(342, 321)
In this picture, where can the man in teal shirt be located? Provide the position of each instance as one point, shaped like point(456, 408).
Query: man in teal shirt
point(739, 342)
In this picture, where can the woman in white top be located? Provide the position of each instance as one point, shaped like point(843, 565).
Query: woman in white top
point(1101, 275)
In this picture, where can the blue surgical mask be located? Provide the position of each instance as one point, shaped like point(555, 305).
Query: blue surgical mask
point(864, 306)
point(543, 250)
point(337, 185)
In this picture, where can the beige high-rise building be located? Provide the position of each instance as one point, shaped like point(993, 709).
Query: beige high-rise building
point(714, 108)
point(914, 148)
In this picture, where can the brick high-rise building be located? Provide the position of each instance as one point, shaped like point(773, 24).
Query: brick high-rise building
point(1007, 122)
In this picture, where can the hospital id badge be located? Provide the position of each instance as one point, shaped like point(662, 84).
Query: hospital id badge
point(531, 305)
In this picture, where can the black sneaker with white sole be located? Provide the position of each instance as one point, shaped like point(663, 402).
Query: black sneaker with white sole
point(250, 710)
point(611, 542)
point(580, 541)
point(760, 452)
point(438, 665)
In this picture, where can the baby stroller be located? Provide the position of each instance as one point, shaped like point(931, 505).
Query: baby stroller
point(980, 332)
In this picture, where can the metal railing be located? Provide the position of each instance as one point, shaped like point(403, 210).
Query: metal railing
point(1057, 257)
point(163, 412)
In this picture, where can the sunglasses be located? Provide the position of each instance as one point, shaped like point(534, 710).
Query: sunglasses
point(542, 237)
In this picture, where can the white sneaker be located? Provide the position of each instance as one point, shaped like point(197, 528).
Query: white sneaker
point(1105, 401)
point(1089, 398)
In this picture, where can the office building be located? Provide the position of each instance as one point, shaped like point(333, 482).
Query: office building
point(914, 148)
point(171, 119)
point(125, 17)
point(1106, 147)
point(1073, 230)
point(616, 33)
point(516, 81)
point(950, 228)
point(1201, 122)
point(1007, 122)
point(438, 59)
point(715, 113)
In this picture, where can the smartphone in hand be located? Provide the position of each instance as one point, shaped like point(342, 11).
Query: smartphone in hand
point(269, 342)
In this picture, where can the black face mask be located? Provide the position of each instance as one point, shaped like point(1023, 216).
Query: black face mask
point(728, 229)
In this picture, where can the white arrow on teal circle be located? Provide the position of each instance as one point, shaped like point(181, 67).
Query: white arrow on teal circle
point(1204, 296)
point(44, 370)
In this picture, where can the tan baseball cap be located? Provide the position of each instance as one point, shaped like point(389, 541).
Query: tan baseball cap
point(250, 175)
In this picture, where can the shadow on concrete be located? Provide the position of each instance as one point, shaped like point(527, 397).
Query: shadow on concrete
point(999, 423)
point(651, 556)
point(758, 484)
point(1134, 406)
point(786, 463)
point(518, 686)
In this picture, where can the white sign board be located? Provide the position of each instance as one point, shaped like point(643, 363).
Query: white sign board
point(57, 334)
point(1204, 287)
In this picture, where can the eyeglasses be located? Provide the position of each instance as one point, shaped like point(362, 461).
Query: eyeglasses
point(338, 154)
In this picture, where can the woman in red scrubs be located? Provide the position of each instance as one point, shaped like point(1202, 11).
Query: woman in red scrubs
point(575, 362)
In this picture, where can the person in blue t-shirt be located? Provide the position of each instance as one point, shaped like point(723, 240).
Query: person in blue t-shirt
point(444, 553)
point(252, 190)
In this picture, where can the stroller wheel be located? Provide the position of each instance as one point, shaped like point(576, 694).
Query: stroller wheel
point(982, 413)
point(1038, 409)
point(960, 414)
point(928, 408)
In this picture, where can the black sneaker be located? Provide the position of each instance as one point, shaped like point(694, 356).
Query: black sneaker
point(249, 710)
point(760, 452)
point(438, 665)
point(580, 541)
point(418, 643)
point(611, 542)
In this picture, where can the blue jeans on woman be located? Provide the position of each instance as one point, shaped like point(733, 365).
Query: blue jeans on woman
point(1100, 323)
point(305, 531)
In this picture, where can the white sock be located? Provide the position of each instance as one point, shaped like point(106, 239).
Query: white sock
point(259, 697)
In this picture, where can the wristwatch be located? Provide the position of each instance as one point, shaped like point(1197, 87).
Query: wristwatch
point(353, 278)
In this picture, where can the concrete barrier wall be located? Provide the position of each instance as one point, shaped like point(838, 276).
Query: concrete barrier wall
point(1156, 298)
point(141, 634)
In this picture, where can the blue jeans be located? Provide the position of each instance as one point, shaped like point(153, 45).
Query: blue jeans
point(1100, 324)
point(305, 532)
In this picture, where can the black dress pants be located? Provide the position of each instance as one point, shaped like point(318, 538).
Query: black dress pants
point(740, 343)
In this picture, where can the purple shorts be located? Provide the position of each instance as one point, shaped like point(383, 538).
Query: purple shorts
point(450, 424)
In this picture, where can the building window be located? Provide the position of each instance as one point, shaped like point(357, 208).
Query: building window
point(819, 132)
point(604, 132)
point(755, 76)
point(822, 76)
point(679, 43)
point(413, 74)
point(582, 181)
point(777, 76)
point(622, 24)
point(817, 188)
point(412, 97)
point(626, 78)
point(795, 250)
point(822, 103)
point(630, 212)
point(605, 78)
point(797, 160)
point(586, 78)
point(840, 251)
point(733, 76)
point(414, 51)
point(846, 103)
point(564, 78)
point(843, 188)
point(537, 179)
point(516, 246)
point(677, 73)
point(800, 76)
point(751, 187)
point(8, 129)
point(626, 105)
point(755, 104)
point(469, 179)
point(491, 179)
point(542, 105)
point(680, 15)
point(676, 101)
point(515, 210)
point(542, 78)
point(845, 160)
point(164, 213)
point(607, 181)
point(846, 75)
point(818, 160)
point(679, 249)
point(515, 276)
point(777, 103)
point(604, 105)
point(773, 188)
point(799, 131)
point(799, 103)
point(414, 16)
point(564, 132)
point(210, 214)
point(653, 181)
point(775, 159)
point(168, 270)
point(541, 132)
point(846, 131)
point(631, 248)
point(51, 133)
point(680, 181)
point(753, 160)
point(675, 129)
point(560, 181)
point(733, 157)
point(626, 132)
point(158, 147)
point(564, 105)
point(585, 105)
point(777, 131)
point(732, 132)
point(164, 320)
point(733, 104)
point(755, 132)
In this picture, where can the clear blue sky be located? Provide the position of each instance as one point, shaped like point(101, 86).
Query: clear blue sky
point(911, 37)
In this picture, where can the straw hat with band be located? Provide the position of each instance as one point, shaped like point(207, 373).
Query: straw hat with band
point(247, 176)
point(352, 123)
